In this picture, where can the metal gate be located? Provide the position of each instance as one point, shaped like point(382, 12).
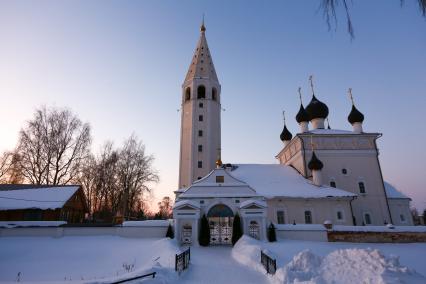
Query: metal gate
point(220, 230)
point(254, 230)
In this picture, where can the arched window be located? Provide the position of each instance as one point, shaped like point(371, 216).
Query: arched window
point(280, 217)
point(201, 92)
point(308, 217)
point(361, 186)
point(332, 183)
point(214, 94)
point(367, 219)
point(187, 94)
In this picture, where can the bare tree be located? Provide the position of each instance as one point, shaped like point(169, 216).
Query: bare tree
point(5, 165)
point(135, 172)
point(164, 208)
point(52, 147)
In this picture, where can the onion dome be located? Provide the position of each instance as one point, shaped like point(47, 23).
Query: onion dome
point(316, 109)
point(285, 134)
point(302, 115)
point(355, 116)
point(315, 163)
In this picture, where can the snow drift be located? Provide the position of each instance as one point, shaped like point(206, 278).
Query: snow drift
point(340, 266)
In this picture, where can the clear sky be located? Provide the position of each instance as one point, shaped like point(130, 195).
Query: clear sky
point(120, 64)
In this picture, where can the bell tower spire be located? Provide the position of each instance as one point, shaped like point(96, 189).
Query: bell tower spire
point(200, 122)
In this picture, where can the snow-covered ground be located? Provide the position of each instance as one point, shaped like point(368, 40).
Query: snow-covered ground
point(102, 259)
point(95, 258)
point(323, 262)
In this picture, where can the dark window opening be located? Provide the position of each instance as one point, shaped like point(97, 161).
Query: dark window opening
point(200, 118)
point(280, 217)
point(200, 105)
point(200, 164)
point(199, 178)
point(201, 201)
point(339, 215)
point(332, 183)
point(361, 186)
point(237, 201)
point(220, 179)
point(201, 92)
point(367, 218)
point(344, 171)
point(200, 133)
point(308, 217)
point(187, 94)
point(214, 94)
point(200, 148)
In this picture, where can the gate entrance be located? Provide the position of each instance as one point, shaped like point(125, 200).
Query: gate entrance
point(220, 219)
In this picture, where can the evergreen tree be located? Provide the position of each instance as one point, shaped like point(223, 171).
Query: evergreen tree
point(170, 233)
point(237, 232)
point(272, 237)
point(204, 235)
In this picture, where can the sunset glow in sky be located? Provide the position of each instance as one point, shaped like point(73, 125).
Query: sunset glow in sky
point(119, 65)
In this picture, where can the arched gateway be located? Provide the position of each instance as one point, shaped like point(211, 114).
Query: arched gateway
point(220, 219)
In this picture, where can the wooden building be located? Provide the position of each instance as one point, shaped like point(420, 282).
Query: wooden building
point(42, 203)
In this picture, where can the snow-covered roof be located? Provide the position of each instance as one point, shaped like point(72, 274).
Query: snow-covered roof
point(272, 180)
point(330, 131)
point(36, 198)
point(392, 192)
point(186, 202)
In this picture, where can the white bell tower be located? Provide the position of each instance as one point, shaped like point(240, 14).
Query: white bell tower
point(200, 125)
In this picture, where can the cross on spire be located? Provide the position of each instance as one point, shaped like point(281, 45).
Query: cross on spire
point(350, 96)
point(300, 94)
point(219, 159)
point(284, 116)
point(311, 79)
point(203, 27)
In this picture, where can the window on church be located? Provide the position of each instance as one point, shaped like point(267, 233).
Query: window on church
point(220, 179)
point(200, 164)
point(237, 201)
point(200, 148)
point(339, 215)
point(201, 92)
point(201, 201)
point(402, 218)
point(367, 219)
point(332, 183)
point(200, 133)
point(214, 94)
point(361, 186)
point(200, 105)
point(188, 94)
point(199, 178)
point(344, 171)
point(280, 217)
point(200, 118)
point(308, 217)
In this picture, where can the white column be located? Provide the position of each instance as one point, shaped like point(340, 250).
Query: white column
point(195, 231)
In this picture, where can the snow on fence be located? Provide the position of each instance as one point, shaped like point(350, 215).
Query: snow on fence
point(268, 263)
point(182, 260)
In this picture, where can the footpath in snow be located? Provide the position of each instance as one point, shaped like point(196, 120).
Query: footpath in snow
point(216, 265)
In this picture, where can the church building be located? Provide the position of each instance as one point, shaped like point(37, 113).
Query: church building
point(321, 175)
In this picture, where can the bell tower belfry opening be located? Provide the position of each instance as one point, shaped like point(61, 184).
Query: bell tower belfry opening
point(200, 121)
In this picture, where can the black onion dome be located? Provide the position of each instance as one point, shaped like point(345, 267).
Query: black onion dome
point(302, 115)
point(285, 134)
point(316, 109)
point(355, 116)
point(315, 163)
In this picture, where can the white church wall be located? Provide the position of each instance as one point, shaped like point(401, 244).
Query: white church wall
point(321, 210)
point(400, 212)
